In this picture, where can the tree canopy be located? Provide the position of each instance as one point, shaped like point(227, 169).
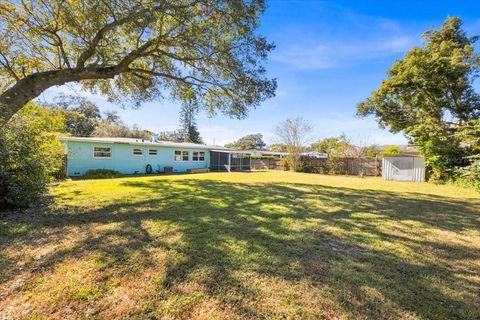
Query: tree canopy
point(333, 146)
point(82, 118)
point(278, 147)
point(390, 151)
point(81, 115)
point(120, 129)
point(433, 82)
point(136, 51)
point(110, 125)
point(429, 94)
point(250, 141)
point(174, 136)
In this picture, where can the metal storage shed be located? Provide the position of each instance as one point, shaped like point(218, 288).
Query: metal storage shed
point(403, 168)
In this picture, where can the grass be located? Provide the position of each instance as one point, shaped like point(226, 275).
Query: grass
point(268, 245)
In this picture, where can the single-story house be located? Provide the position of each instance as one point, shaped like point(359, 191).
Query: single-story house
point(268, 153)
point(129, 155)
point(314, 154)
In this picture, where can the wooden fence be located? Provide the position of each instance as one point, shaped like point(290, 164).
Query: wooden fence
point(62, 171)
point(263, 164)
point(362, 166)
point(348, 166)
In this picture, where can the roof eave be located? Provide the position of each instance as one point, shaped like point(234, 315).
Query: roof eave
point(147, 143)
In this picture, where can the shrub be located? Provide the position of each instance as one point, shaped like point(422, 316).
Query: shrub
point(308, 169)
point(390, 151)
point(311, 165)
point(101, 174)
point(30, 153)
point(469, 176)
point(335, 165)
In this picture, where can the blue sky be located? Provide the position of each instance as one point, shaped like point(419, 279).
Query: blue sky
point(329, 56)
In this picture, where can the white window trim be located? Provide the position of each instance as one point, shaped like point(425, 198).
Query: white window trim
point(198, 156)
point(153, 155)
point(137, 155)
point(181, 154)
point(102, 158)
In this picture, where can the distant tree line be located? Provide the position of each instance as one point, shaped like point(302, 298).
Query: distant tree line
point(251, 141)
point(83, 119)
point(293, 136)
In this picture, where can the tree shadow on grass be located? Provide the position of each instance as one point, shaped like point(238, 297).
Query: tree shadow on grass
point(379, 254)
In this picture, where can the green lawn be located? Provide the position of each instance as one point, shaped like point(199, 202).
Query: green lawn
point(273, 245)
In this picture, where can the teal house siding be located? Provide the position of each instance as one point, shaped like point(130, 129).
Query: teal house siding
point(80, 155)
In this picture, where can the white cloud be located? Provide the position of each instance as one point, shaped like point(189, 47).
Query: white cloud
point(317, 54)
point(300, 57)
point(281, 93)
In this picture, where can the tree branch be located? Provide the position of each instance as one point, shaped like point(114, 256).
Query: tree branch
point(7, 66)
point(93, 44)
point(87, 54)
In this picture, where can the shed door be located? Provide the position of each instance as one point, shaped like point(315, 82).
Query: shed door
point(402, 169)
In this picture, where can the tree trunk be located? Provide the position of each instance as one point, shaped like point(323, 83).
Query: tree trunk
point(27, 89)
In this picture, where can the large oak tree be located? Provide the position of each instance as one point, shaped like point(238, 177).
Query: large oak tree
point(135, 51)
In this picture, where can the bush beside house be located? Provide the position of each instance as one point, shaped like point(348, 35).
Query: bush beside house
point(30, 153)
point(101, 174)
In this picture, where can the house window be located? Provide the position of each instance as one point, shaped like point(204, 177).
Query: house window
point(102, 152)
point(198, 156)
point(138, 152)
point(152, 152)
point(181, 155)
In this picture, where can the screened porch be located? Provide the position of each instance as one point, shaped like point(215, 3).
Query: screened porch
point(230, 160)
